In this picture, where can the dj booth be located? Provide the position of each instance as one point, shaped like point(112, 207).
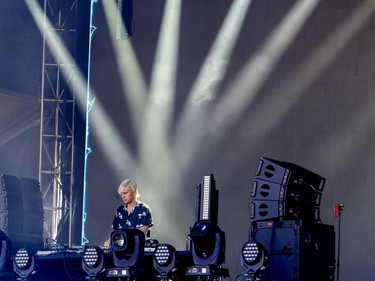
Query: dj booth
point(58, 265)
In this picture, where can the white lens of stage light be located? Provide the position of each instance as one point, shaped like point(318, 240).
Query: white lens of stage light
point(250, 253)
point(21, 258)
point(162, 254)
point(118, 240)
point(91, 257)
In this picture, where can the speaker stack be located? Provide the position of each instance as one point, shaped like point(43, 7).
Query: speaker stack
point(21, 212)
point(285, 219)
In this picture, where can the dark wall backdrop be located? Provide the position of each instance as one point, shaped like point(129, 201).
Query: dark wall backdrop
point(20, 86)
point(329, 130)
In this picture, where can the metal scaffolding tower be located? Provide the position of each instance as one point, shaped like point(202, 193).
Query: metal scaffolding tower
point(58, 101)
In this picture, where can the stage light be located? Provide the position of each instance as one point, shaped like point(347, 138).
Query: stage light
point(118, 241)
point(164, 259)
point(208, 243)
point(127, 246)
point(92, 260)
point(250, 253)
point(254, 259)
point(208, 250)
point(163, 254)
point(23, 263)
point(127, 253)
point(207, 240)
point(171, 263)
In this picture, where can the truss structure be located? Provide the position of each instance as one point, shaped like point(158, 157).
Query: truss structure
point(58, 101)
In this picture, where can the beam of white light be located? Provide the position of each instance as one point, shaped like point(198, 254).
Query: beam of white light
point(61, 55)
point(211, 74)
point(118, 154)
point(162, 90)
point(210, 77)
point(163, 79)
point(243, 90)
point(348, 138)
point(215, 65)
point(132, 79)
point(156, 158)
point(294, 86)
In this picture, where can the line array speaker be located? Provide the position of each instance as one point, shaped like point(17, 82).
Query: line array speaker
point(21, 212)
point(285, 190)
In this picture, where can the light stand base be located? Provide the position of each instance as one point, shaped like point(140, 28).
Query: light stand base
point(207, 270)
point(125, 272)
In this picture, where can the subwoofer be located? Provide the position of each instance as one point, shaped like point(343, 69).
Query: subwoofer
point(297, 251)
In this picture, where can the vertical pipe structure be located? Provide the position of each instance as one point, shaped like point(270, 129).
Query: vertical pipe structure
point(56, 147)
point(89, 104)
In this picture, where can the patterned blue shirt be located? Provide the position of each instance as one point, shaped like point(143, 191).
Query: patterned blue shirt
point(141, 216)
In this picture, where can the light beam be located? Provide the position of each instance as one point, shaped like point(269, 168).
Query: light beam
point(117, 153)
point(157, 165)
point(190, 125)
point(243, 90)
point(131, 76)
point(296, 84)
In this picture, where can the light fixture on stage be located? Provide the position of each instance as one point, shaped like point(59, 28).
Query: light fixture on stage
point(168, 262)
point(164, 258)
point(23, 263)
point(207, 240)
point(127, 246)
point(92, 261)
point(127, 252)
point(208, 243)
point(254, 259)
point(207, 250)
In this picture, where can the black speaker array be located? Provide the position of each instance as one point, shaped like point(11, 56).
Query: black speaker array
point(11, 206)
point(285, 191)
point(21, 212)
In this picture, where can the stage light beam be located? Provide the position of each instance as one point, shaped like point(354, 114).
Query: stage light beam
point(155, 153)
point(295, 85)
point(243, 90)
point(132, 79)
point(116, 151)
point(322, 56)
point(215, 65)
point(163, 79)
point(205, 88)
point(159, 108)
